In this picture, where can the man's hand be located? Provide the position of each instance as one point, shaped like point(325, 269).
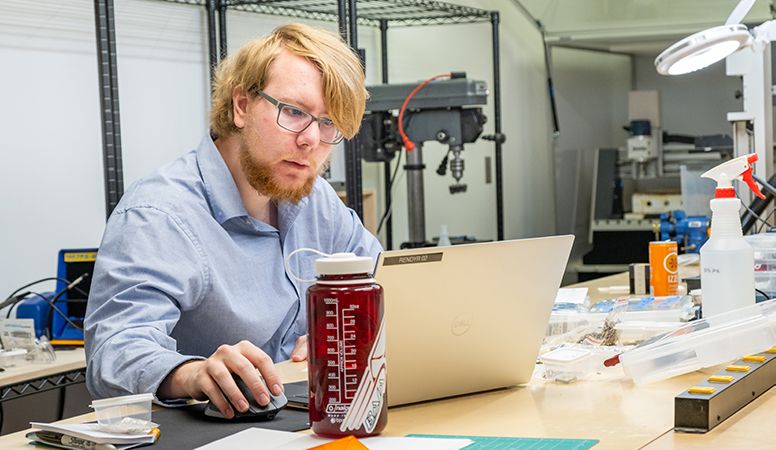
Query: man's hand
point(299, 353)
point(212, 378)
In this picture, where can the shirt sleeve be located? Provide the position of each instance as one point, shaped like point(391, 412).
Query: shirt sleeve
point(149, 267)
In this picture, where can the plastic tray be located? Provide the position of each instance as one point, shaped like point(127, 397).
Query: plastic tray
point(111, 412)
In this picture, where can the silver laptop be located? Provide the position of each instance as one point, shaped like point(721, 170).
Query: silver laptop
point(463, 319)
point(467, 318)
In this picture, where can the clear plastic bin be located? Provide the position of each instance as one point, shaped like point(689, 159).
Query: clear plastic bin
point(638, 331)
point(567, 363)
point(703, 343)
point(123, 413)
point(569, 325)
point(764, 245)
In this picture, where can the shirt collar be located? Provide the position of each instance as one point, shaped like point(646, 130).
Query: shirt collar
point(220, 188)
point(222, 193)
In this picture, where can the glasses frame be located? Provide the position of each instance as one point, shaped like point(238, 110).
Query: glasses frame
point(279, 105)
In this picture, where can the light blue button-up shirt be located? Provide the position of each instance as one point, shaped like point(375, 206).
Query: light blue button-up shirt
point(183, 268)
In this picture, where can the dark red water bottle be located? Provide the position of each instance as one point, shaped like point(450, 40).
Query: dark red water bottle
point(346, 360)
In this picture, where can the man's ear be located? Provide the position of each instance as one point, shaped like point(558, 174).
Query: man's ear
point(240, 100)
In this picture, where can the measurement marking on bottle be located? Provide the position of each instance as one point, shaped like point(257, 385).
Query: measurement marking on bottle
point(341, 351)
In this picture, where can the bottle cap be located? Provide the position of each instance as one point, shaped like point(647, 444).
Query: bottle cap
point(343, 264)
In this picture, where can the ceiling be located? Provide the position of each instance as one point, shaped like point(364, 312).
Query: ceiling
point(633, 26)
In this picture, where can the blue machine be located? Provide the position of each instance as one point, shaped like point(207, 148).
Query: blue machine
point(689, 232)
point(37, 309)
point(71, 265)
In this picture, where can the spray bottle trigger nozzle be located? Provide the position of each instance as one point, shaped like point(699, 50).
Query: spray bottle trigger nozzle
point(749, 180)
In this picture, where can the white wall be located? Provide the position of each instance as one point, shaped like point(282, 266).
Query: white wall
point(696, 103)
point(592, 97)
point(529, 191)
point(51, 179)
point(51, 176)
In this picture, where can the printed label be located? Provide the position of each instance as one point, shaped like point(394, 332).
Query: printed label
point(412, 259)
point(80, 257)
point(368, 401)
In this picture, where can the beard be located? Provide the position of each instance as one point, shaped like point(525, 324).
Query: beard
point(261, 178)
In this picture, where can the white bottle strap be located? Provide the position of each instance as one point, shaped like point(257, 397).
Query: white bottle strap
point(299, 250)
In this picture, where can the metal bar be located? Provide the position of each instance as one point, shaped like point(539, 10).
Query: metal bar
point(43, 384)
point(353, 182)
point(494, 21)
point(416, 203)
point(550, 86)
point(109, 103)
point(712, 401)
point(387, 164)
point(222, 29)
point(210, 7)
point(353, 23)
point(398, 12)
point(61, 406)
point(342, 16)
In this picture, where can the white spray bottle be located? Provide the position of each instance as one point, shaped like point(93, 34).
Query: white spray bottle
point(727, 260)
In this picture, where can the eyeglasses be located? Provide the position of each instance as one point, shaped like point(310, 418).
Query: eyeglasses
point(296, 120)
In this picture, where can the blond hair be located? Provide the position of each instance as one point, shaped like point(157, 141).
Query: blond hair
point(344, 92)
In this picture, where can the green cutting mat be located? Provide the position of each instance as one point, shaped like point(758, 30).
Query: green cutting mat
point(509, 443)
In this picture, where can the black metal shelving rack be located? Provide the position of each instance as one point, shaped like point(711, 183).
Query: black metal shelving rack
point(109, 103)
point(349, 14)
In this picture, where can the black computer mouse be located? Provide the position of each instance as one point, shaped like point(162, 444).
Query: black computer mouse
point(255, 411)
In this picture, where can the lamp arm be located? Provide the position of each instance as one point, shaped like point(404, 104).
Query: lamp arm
point(763, 34)
point(739, 12)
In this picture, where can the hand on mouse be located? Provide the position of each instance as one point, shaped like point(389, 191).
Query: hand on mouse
point(212, 378)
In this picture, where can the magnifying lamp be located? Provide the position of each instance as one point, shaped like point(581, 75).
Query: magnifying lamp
point(706, 47)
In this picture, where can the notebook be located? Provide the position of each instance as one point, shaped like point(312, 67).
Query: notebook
point(465, 318)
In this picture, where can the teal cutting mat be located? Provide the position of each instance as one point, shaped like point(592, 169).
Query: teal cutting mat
point(509, 443)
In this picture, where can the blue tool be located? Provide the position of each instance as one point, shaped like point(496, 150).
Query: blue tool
point(71, 265)
point(74, 270)
point(35, 308)
point(690, 232)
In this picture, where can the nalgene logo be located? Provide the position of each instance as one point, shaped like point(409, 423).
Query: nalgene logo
point(336, 408)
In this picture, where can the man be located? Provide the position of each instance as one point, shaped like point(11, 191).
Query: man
point(189, 285)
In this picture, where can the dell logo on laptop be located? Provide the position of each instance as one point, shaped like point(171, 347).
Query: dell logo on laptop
point(461, 324)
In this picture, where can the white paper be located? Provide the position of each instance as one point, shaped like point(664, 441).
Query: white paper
point(92, 432)
point(283, 440)
point(571, 295)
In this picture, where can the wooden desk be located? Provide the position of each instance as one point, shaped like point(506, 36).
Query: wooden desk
point(619, 414)
point(288, 371)
point(67, 361)
point(616, 412)
point(47, 392)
